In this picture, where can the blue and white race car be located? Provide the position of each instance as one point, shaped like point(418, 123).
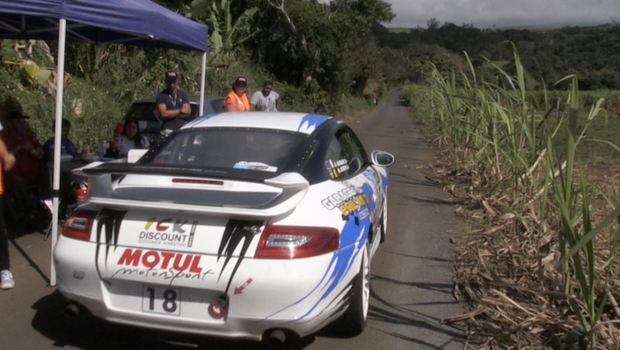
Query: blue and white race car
point(250, 225)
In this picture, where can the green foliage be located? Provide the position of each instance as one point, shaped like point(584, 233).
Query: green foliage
point(226, 35)
point(366, 11)
point(301, 41)
point(591, 53)
point(324, 60)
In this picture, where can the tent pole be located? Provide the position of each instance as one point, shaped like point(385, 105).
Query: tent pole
point(202, 83)
point(60, 84)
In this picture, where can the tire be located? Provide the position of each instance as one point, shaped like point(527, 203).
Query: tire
point(353, 321)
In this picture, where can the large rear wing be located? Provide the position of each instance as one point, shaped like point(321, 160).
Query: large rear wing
point(293, 187)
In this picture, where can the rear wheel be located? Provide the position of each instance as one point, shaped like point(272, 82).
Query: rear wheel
point(353, 321)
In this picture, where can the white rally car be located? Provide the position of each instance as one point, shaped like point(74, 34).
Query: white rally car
point(251, 225)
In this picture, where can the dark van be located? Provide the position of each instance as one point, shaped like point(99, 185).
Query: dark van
point(146, 113)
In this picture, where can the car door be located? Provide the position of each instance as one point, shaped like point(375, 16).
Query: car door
point(346, 161)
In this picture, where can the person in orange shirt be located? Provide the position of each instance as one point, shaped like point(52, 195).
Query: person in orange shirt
point(6, 278)
point(237, 100)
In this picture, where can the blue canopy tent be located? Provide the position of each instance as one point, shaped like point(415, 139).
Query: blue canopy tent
point(131, 22)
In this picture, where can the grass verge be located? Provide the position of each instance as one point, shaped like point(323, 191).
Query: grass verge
point(538, 269)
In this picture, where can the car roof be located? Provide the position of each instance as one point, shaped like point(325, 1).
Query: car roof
point(193, 99)
point(297, 122)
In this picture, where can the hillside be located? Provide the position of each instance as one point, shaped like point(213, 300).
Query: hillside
point(593, 53)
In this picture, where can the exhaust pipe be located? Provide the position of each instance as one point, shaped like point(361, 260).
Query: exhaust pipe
point(276, 337)
point(72, 311)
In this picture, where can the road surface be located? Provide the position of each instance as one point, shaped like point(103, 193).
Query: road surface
point(411, 287)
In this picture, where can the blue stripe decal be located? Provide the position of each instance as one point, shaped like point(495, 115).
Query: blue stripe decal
point(353, 237)
point(341, 263)
point(342, 260)
point(310, 122)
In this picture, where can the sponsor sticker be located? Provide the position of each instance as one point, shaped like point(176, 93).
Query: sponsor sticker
point(255, 166)
point(336, 167)
point(168, 232)
point(348, 200)
point(160, 265)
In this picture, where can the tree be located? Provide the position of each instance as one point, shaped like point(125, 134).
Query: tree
point(309, 41)
point(226, 35)
point(432, 24)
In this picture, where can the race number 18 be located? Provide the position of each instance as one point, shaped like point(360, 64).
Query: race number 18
point(161, 300)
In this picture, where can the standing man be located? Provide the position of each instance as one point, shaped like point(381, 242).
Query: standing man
point(237, 100)
point(173, 105)
point(266, 100)
point(6, 277)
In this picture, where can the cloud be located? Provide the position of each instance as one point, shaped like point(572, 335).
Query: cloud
point(504, 13)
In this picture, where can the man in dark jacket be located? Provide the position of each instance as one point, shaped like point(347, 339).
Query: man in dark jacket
point(173, 105)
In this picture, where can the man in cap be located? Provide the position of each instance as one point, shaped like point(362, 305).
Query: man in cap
point(173, 105)
point(237, 100)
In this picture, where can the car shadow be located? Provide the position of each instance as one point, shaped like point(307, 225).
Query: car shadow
point(90, 333)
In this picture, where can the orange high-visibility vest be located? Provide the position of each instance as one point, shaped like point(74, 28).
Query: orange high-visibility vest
point(240, 103)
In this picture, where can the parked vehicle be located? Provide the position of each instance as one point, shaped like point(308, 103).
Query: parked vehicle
point(244, 225)
point(146, 113)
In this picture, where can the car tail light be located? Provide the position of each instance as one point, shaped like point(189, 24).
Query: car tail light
point(118, 130)
point(292, 242)
point(79, 224)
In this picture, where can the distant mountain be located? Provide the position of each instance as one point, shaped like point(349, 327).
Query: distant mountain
point(541, 25)
point(547, 53)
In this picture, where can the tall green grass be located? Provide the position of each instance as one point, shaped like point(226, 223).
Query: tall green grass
point(526, 153)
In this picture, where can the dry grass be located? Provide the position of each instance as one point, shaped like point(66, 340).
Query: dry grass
point(507, 269)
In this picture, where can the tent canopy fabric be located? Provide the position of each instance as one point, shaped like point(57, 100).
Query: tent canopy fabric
point(131, 22)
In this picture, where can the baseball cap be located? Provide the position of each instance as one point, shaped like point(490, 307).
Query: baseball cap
point(171, 75)
point(241, 80)
point(16, 115)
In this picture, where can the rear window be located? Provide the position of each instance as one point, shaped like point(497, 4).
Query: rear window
point(253, 150)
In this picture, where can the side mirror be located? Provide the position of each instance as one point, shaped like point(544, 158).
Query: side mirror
point(134, 154)
point(381, 158)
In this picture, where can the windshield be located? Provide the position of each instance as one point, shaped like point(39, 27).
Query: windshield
point(249, 149)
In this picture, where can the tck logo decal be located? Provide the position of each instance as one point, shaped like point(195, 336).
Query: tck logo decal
point(158, 232)
point(163, 225)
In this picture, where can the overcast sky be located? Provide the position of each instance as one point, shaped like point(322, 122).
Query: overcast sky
point(504, 13)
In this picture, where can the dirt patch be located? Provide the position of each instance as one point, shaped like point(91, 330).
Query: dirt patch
point(605, 176)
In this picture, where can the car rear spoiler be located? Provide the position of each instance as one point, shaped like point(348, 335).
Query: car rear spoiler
point(293, 185)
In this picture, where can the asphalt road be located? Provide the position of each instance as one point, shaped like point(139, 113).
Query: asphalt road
point(411, 288)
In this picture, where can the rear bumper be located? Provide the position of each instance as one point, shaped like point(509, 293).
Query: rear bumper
point(289, 296)
point(234, 327)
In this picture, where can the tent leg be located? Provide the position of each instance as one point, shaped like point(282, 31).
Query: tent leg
point(60, 84)
point(202, 83)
